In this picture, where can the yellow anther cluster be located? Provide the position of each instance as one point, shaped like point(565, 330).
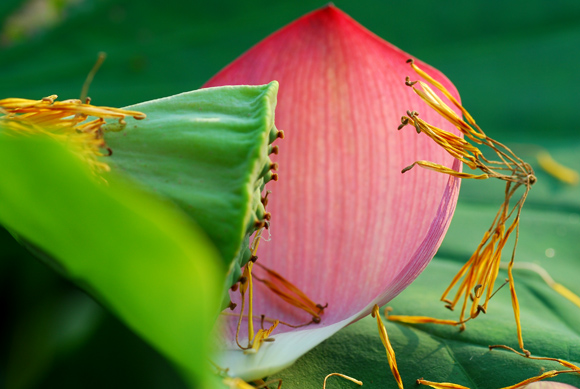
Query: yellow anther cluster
point(65, 121)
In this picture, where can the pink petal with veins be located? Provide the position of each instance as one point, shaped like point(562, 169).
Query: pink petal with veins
point(347, 227)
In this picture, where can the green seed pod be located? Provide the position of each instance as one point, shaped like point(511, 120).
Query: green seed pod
point(208, 151)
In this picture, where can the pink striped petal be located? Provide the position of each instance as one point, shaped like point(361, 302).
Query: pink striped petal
point(347, 227)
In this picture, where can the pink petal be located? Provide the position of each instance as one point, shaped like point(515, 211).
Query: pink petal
point(347, 227)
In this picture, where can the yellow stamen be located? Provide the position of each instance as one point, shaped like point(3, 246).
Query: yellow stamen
point(388, 347)
point(440, 385)
point(290, 293)
point(247, 286)
point(560, 361)
point(343, 376)
point(475, 280)
point(248, 274)
point(421, 320)
point(444, 169)
point(260, 338)
point(237, 383)
point(65, 122)
point(548, 374)
point(557, 170)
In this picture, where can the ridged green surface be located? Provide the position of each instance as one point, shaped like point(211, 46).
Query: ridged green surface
point(207, 150)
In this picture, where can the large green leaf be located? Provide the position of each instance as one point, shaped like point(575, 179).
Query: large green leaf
point(551, 324)
point(208, 151)
point(134, 252)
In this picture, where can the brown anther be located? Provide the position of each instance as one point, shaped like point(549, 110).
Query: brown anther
point(280, 134)
point(462, 328)
point(274, 166)
point(404, 122)
point(274, 150)
point(254, 258)
point(88, 100)
point(410, 60)
point(449, 306)
point(527, 353)
point(232, 306)
point(259, 224)
point(532, 179)
point(408, 81)
point(243, 280)
point(235, 287)
point(476, 290)
point(269, 340)
point(321, 307)
point(109, 152)
point(480, 309)
point(316, 320)
point(268, 216)
point(275, 177)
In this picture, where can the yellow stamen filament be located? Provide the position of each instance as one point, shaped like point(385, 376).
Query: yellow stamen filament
point(444, 169)
point(548, 374)
point(343, 376)
point(248, 274)
point(475, 280)
point(562, 173)
point(567, 293)
point(238, 383)
point(390, 352)
point(267, 319)
point(64, 121)
point(440, 385)
point(260, 337)
point(421, 320)
point(291, 294)
point(562, 362)
point(246, 286)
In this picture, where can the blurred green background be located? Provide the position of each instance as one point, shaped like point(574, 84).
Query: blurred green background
point(514, 64)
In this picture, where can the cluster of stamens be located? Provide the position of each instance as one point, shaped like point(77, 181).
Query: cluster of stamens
point(66, 121)
point(476, 279)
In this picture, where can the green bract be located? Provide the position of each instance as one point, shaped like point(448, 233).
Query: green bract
point(207, 150)
point(140, 257)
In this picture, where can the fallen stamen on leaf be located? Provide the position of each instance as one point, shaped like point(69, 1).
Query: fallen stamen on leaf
point(561, 289)
point(343, 376)
point(440, 385)
point(529, 356)
point(553, 168)
point(548, 374)
point(385, 339)
point(480, 272)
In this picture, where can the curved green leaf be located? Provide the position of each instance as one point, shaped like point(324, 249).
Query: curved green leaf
point(140, 257)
